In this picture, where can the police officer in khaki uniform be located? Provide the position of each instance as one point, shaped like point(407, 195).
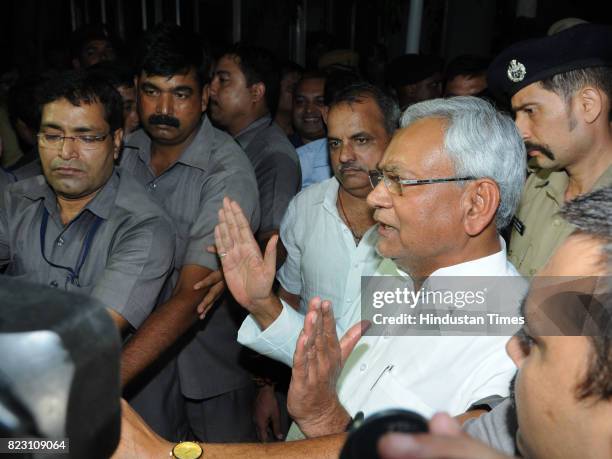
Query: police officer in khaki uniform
point(560, 89)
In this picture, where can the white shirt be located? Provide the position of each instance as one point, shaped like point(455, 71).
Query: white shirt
point(427, 374)
point(322, 259)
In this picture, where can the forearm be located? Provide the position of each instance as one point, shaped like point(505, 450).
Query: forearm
point(315, 448)
point(161, 330)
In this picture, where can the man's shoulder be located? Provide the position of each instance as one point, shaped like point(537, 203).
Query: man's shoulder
point(315, 194)
point(272, 141)
point(226, 153)
point(27, 189)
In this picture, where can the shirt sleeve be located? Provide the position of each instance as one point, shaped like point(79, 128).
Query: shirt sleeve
point(279, 179)
point(238, 185)
point(138, 265)
point(289, 274)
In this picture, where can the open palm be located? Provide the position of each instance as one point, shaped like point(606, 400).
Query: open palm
point(248, 275)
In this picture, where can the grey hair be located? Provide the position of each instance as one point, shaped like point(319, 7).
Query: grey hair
point(481, 142)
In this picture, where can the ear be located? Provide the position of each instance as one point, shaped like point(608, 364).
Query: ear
point(117, 141)
point(479, 203)
point(258, 91)
point(324, 114)
point(590, 103)
point(205, 96)
point(75, 63)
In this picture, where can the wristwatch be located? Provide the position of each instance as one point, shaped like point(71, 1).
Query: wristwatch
point(187, 450)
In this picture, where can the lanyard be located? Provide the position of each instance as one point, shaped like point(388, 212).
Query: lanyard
point(73, 273)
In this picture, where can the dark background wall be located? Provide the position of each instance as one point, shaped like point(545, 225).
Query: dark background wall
point(36, 33)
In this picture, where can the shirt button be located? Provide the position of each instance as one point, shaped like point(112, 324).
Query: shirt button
point(532, 272)
point(53, 284)
point(363, 367)
point(152, 186)
point(60, 242)
point(556, 222)
point(348, 300)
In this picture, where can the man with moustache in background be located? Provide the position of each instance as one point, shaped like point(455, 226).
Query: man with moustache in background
point(561, 93)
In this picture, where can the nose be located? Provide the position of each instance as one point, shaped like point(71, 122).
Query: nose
point(379, 197)
point(347, 153)
point(165, 104)
point(522, 125)
point(69, 149)
point(214, 86)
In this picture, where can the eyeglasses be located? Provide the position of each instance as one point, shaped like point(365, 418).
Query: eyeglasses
point(395, 183)
point(84, 142)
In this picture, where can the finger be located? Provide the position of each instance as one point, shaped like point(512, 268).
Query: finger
point(213, 278)
point(211, 249)
point(225, 241)
point(350, 339)
point(262, 430)
point(427, 446)
point(270, 254)
point(276, 425)
point(232, 225)
point(328, 351)
point(443, 424)
point(210, 298)
point(298, 371)
point(242, 224)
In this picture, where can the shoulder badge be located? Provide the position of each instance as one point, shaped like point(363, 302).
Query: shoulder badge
point(516, 71)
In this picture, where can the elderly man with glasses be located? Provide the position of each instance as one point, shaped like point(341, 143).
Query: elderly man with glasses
point(85, 226)
point(449, 179)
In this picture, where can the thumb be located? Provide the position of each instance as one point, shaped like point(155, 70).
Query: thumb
point(270, 254)
point(350, 338)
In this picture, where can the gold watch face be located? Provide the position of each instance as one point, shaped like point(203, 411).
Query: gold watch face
point(187, 450)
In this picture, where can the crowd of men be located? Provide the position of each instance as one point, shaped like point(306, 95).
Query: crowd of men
point(225, 212)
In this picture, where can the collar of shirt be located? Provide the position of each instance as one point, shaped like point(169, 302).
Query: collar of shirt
point(246, 136)
point(495, 264)
point(556, 183)
point(197, 153)
point(101, 205)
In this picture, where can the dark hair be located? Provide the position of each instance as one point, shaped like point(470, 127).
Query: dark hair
point(259, 66)
point(169, 50)
point(592, 214)
point(115, 73)
point(22, 103)
point(566, 84)
point(468, 65)
point(337, 80)
point(288, 67)
point(88, 33)
point(357, 92)
point(82, 86)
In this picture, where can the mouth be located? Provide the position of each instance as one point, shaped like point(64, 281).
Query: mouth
point(311, 119)
point(70, 171)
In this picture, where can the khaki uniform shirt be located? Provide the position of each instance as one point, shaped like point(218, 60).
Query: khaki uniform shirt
point(538, 228)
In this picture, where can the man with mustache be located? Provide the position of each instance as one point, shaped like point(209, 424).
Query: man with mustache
point(188, 166)
point(328, 229)
point(86, 226)
point(561, 93)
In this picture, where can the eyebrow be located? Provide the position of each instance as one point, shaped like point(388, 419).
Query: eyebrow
point(523, 106)
point(76, 129)
point(362, 134)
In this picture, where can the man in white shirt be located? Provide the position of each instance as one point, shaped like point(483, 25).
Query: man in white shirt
point(444, 226)
point(328, 229)
point(451, 176)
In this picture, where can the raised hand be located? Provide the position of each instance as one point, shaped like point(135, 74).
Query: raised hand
point(248, 275)
point(318, 360)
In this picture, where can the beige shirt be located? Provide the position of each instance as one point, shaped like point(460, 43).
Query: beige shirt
point(543, 229)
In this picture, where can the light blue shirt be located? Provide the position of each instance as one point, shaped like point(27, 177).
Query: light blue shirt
point(314, 160)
